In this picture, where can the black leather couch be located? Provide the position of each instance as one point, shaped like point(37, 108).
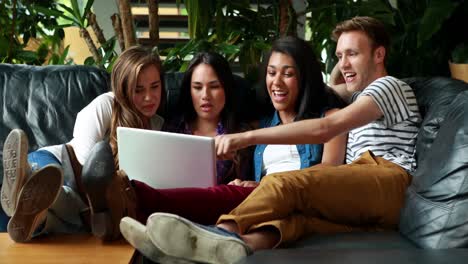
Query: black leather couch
point(44, 102)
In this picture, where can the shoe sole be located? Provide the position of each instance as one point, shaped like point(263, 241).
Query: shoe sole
point(178, 237)
point(36, 196)
point(15, 161)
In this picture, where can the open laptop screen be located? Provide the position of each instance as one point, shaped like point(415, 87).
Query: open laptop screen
point(167, 160)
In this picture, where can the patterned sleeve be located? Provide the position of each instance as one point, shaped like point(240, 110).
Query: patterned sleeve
point(390, 96)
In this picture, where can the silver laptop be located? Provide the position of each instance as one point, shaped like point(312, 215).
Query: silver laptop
point(167, 160)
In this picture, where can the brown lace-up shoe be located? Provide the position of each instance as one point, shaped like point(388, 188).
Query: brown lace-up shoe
point(15, 169)
point(110, 194)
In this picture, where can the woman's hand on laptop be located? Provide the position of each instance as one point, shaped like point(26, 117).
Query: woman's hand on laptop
point(228, 144)
point(238, 182)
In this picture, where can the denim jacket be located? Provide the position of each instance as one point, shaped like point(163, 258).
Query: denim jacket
point(310, 154)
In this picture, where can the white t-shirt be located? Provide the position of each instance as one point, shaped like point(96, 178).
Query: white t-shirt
point(93, 125)
point(393, 136)
point(279, 158)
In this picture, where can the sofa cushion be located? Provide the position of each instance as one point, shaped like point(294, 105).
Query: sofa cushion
point(435, 214)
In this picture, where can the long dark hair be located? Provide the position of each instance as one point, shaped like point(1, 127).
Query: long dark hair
point(229, 114)
point(224, 73)
point(314, 96)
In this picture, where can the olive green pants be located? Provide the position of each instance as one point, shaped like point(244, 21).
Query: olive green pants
point(364, 195)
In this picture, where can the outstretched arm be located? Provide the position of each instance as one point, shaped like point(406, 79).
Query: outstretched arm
point(334, 150)
point(362, 111)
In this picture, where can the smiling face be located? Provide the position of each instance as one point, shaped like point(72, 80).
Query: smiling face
point(147, 94)
point(207, 93)
point(359, 62)
point(282, 85)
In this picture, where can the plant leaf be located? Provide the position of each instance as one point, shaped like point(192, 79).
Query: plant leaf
point(460, 54)
point(89, 61)
point(27, 56)
point(77, 12)
point(65, 25)
point(64, 55)
point(87, 9)
point(68, 9)
point(48, 12)
point(435, 14)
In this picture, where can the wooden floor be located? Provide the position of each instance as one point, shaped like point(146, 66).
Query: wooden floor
point(64, 249)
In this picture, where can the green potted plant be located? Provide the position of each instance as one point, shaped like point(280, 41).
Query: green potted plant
point(459, 62)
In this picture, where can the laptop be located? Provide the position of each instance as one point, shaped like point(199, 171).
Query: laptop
point(167, 160)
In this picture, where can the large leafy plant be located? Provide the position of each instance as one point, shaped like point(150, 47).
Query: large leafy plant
point(423, 36)
point(42, 22)
point(21, 24)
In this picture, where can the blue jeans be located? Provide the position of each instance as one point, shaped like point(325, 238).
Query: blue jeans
point(41, 158)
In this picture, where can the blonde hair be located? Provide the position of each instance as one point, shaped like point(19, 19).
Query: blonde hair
point(123, 81)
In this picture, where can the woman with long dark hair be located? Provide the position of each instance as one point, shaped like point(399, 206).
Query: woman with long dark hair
point(208, 107)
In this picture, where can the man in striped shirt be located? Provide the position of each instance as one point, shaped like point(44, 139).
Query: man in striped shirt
point(366, 193)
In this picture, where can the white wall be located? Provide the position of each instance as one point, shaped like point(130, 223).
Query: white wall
point(104, 9)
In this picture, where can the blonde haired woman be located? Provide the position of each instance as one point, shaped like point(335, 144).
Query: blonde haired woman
point(60, 202)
